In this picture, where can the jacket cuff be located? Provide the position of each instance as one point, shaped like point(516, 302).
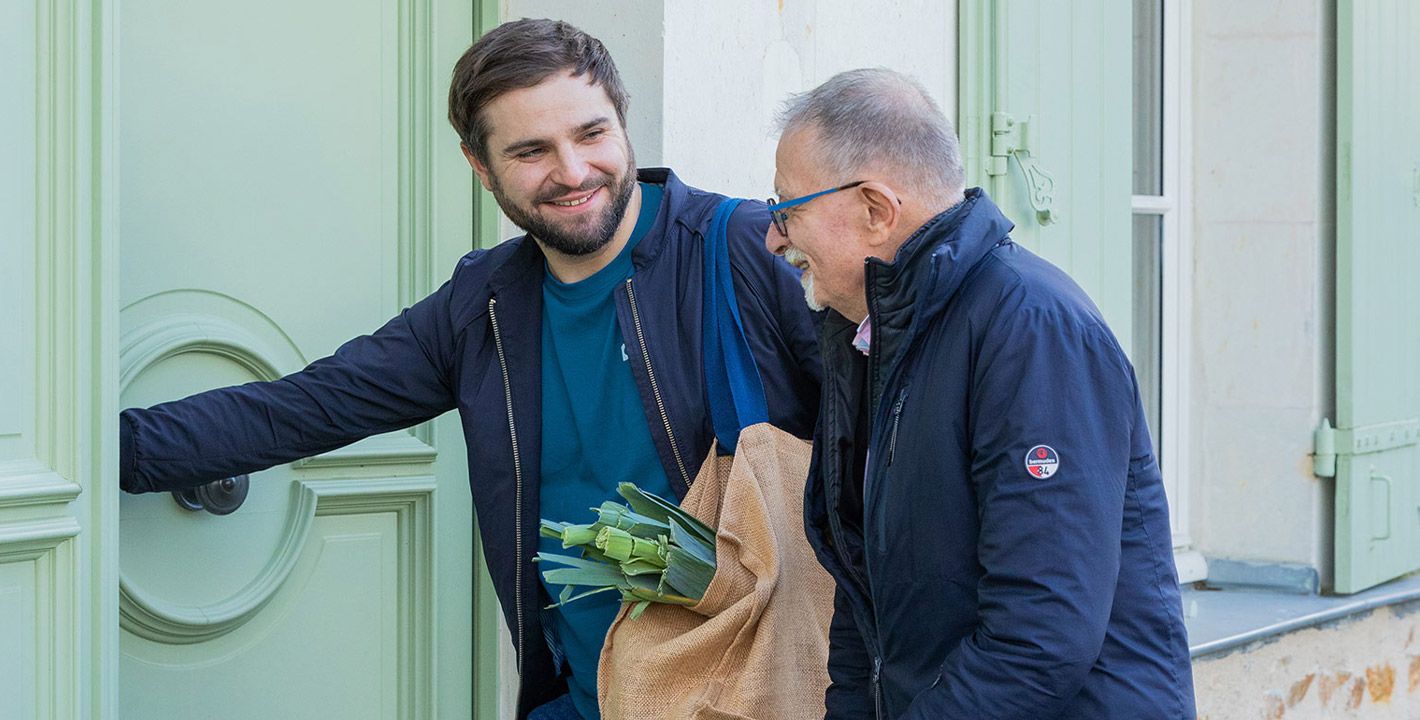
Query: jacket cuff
point(128, 457)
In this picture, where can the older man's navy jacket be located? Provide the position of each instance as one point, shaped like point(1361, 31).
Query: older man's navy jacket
point(985, 494)
point(474, 345)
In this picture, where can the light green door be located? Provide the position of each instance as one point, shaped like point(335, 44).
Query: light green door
point(285, 181)
point(1045, 128)
point(1377, 296)
point(58, 610)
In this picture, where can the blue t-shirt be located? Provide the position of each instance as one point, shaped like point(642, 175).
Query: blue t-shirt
point(594, 435)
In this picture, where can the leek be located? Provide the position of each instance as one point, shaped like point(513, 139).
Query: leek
point(648, 549)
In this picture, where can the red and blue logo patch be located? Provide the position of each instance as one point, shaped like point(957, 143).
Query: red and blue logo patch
point(1042, 461)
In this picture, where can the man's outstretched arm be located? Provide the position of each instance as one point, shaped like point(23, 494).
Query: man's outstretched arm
point(397, 377)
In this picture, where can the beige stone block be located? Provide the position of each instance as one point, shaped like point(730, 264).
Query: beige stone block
point(1257, 497)
point(1255, 310)
point(1257, 18)
point(1258, 133)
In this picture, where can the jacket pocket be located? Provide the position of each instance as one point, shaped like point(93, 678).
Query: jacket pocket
point(883, 498)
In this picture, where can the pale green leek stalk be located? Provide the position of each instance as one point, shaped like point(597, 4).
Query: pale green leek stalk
point(649, 549)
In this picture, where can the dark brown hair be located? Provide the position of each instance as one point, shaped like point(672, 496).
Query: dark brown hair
point(521, 54)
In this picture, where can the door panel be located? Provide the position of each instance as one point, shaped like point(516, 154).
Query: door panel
point(1377, 301)
point(280, 665)
point(285, 185)
point(18, 607)
point(259, 159)
point(17, 217)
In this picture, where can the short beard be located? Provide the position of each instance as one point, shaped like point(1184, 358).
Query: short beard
point(572, 242)
point(794, 256)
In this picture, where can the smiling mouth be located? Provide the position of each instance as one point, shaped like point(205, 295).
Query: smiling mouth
point(572, 203)
point(575, 202)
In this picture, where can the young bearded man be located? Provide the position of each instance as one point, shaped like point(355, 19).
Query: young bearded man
point(572, 354)
point(983, 490)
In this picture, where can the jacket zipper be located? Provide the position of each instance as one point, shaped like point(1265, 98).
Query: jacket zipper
point(896, 418)
point(874, 362)
point(877, 687)
point(655, 388)
point(518, 481)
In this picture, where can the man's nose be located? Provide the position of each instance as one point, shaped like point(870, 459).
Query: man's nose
point(775, 242)
point(571, 170)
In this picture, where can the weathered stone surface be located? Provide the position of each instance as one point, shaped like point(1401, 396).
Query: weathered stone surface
point(1367, 668)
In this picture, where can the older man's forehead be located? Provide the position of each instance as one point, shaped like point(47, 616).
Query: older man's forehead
point(779, 191)
point(794, 164)
point(780, 184)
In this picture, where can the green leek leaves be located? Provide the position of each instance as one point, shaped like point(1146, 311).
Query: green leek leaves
point(648, 549)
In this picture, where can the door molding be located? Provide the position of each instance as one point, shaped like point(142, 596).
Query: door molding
point(408, 498)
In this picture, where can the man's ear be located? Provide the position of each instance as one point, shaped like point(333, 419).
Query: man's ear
point(478, 167)
point(883, 210)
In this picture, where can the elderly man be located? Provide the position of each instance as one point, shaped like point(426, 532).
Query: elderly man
point(984, 490)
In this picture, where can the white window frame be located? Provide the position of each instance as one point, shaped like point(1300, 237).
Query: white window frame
point(1173, 207)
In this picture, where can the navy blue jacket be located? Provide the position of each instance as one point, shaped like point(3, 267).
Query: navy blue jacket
point(474, 345)
point(969, 585)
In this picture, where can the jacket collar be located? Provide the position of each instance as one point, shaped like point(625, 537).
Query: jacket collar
point(933, 263)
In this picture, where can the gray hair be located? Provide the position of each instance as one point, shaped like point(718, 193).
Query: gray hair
point(878, 118)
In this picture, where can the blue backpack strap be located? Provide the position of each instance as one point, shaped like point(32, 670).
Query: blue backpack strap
point(732, 382)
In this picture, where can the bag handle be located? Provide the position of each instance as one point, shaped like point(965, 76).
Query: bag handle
point(732, 381)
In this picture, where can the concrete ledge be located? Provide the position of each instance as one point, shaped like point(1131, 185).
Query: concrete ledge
point(1224, 620)
point(1276, 577)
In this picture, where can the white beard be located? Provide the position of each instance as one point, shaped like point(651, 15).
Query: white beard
point(796, 257)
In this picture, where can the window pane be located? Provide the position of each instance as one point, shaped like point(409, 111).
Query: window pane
point(1148, 97)
point(1147, 353)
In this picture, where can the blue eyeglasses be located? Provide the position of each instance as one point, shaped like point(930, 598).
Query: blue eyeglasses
point(778, 211)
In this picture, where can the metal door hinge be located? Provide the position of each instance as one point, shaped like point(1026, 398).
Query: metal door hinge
point(1324, 450)
point(1010, 138)
point(1329, 442)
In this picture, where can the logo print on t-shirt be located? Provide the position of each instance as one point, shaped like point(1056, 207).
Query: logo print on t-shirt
point(1042, 461)
point(624, 356)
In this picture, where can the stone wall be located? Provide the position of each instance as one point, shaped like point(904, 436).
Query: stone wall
point(1362, 667)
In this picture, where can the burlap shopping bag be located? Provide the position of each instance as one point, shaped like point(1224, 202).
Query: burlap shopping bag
point(756, 646)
